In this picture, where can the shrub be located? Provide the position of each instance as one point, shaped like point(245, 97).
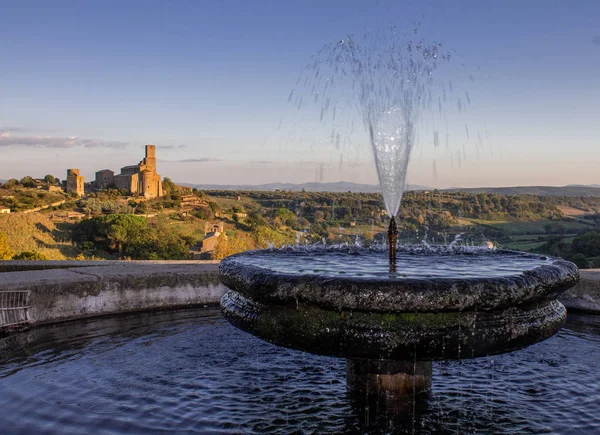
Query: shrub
point(5, 252)
point(580, 261)
point(30, 255)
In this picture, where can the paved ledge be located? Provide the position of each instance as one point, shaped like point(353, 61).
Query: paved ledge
point(584, 296)
point(56, 295)
point(20, 265)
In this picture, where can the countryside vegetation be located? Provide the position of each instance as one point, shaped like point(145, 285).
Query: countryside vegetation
point(108, 224)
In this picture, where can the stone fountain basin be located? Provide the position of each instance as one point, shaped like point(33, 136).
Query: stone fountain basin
point(438, 305)
point(472, 279)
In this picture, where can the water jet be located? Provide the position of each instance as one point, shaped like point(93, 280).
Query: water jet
point(391, 315)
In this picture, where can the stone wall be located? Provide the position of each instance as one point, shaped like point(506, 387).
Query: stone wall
point(584, 296)
point(55, 295)
point(75, 182)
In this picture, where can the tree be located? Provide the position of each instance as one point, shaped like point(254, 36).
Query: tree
point(5, 252)
point(213, 207)
point(264, 237)
point(28, 181)
point(580, 261)
point(587, 244)
point(11, 183)
point(283, 216)
point(168, 186)
point(50, 179)
point(203, 213)
point(125, 229)
point(320, 229)
point(255, 220)
point(233, 244)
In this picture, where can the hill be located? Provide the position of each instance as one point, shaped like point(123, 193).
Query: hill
point(345, 186)
point(340, 186)
point(534, 190)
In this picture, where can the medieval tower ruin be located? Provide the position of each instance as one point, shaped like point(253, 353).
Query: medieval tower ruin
point(75, 182)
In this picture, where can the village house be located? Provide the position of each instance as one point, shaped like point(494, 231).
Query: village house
point(212, 233)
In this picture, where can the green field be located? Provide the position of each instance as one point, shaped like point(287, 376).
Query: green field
point(529, 228)
point(522, 246)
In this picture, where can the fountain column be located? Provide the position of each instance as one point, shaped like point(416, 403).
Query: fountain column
point(389, 380)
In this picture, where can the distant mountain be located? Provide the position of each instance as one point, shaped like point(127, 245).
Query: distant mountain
point(571, 190)
point(583, 185)
point(341, 186)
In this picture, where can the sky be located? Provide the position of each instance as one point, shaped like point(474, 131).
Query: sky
point(87, 84)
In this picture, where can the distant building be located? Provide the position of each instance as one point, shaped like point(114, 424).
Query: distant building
point(212, 232)
point(140, 179)
point(51, 188)
point(104, 178)
point(68, 215)
point(4, 210)
point(75, 182)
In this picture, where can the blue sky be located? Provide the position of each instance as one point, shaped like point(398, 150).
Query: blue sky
point(87, 84)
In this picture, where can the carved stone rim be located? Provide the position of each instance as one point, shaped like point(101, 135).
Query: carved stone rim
point(425, 294)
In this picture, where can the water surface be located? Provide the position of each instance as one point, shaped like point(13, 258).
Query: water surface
point(190, 371)
point(413, 261)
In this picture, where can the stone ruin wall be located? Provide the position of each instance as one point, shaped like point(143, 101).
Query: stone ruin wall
point(75, 182)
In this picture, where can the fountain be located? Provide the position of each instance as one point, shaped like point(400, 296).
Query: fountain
point(391, 315)
point(388, 312)
point(442, 303)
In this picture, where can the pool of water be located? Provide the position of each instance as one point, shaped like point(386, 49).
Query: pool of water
point(191, 371)
point(415, 261)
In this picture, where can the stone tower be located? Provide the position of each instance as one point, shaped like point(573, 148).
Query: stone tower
point(75, 182)
point(150, 160)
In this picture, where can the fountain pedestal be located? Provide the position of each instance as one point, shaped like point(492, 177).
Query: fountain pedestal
point(445, 304)
point(388, 379)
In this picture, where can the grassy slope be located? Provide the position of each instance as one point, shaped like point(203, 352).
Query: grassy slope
point(525, 227)
point(35, 231)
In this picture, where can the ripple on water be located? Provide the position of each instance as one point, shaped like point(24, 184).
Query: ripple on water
point(191, 371)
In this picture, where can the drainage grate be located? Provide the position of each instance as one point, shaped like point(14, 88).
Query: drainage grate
point(13, 309)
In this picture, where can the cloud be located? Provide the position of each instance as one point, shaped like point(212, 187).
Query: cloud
point(8, 139)
point(170, 147)
point(9, 130)
point(283, 162)
point(200, 160)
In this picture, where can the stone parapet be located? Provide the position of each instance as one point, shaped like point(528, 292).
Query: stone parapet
point(22, 265)
point(585, 295)
point(56, 295)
